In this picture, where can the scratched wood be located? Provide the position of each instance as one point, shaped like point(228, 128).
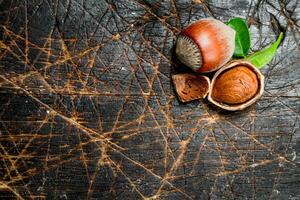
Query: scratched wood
point(88, 109)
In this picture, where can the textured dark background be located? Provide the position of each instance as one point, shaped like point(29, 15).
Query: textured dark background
point(88, 109)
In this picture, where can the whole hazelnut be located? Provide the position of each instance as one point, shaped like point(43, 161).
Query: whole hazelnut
point(205, 45)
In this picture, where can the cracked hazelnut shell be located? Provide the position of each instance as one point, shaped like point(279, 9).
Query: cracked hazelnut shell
point(190, 86)
point(236, 86)
point(205, 45)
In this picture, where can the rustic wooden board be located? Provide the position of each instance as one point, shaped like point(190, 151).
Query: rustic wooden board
point(88, 109)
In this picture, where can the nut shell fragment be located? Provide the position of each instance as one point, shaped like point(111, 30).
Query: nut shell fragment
point(190, 86)
point(236, 86)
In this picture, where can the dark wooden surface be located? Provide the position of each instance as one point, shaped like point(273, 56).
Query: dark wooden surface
point(88, 109)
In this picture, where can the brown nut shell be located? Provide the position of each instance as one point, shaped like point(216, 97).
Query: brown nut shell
point(205, 45)
point(236, 86)
point(190, 86)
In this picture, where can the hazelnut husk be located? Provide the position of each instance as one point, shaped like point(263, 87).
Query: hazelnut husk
point(191, 86)
point(236, 86)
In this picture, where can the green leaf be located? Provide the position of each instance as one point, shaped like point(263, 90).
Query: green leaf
point(242, 37)
point(263, 57)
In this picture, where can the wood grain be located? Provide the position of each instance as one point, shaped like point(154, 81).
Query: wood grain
point(88, 109)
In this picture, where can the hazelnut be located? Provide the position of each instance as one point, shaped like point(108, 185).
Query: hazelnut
point(206, 45)
point(236, 86)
